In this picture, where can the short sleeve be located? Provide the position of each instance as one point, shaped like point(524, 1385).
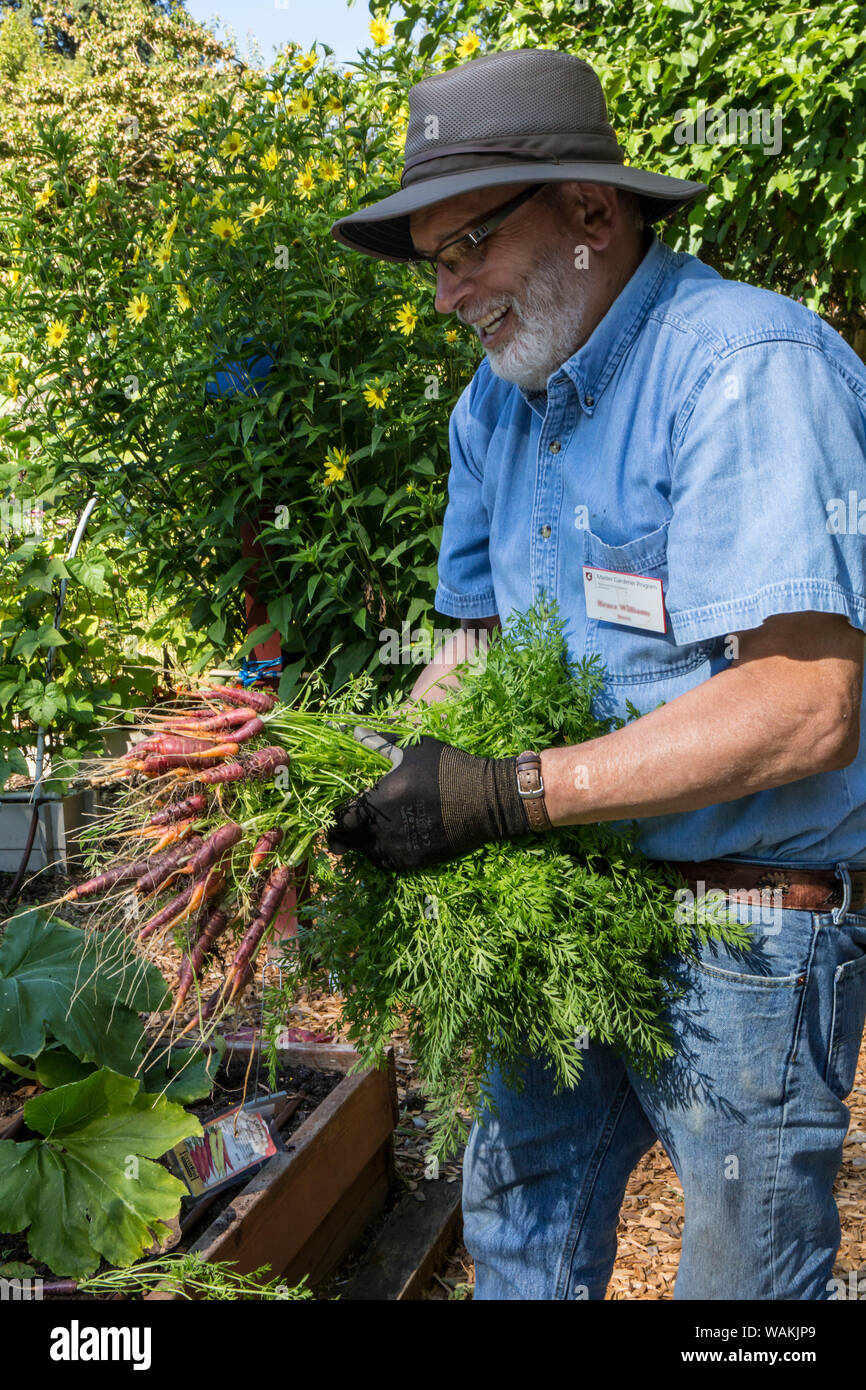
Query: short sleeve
point(465, 588)
point(766, 476)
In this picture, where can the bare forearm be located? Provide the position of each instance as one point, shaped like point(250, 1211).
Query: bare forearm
point(743, 731)
point(438, 677)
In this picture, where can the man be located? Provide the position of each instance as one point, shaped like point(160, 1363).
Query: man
point(662, 452)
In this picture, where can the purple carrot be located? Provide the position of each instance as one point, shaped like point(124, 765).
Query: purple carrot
point(258, 700)
point(190, 806)
point(264, 846)
point(173, 859)
point(193, 961)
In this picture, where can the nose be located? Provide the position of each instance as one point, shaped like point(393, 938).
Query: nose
point(451, 290)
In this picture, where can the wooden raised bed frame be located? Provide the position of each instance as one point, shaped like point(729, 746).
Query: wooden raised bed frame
point(305, 1209)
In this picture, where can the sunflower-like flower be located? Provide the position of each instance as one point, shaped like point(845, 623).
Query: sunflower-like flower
point(92, 187)
point(377, 395)
point(232, 145)
point(56, 333)
point(336, 463)
point(44, 196)
point(13, 385)
point(270, 159)
point(225, 229)
point(468, 45)
point(256, 210)
point(307, 61)
point(305, 182)
point(330, 169)
point(162, 256)
point(182, 299)
point(137, 309)
point(406, 319)
point(380, 31)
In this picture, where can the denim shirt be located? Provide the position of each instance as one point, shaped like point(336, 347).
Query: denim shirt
point(708, 434)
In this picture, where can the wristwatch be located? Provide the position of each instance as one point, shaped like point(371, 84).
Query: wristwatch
point(530, 787)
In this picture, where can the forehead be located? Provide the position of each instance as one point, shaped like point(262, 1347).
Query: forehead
point(431, 226)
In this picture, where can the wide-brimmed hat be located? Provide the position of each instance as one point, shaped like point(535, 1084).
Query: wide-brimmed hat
point(526, 115)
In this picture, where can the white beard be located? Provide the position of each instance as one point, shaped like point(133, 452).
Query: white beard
point(550, 314)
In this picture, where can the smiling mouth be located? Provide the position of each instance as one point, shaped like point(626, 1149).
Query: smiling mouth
point(490, 327)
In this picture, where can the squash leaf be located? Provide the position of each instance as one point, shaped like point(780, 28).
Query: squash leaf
point(88, 1190)
point(84, 990)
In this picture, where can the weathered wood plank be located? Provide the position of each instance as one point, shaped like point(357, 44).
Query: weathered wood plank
point(411, 1247)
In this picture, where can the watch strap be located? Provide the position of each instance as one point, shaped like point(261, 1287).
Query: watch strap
point(530, 786)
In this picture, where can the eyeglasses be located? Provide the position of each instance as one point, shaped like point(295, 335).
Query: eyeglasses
point(468, 251)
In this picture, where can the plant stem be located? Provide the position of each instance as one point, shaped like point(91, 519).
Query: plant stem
point(14, 1067)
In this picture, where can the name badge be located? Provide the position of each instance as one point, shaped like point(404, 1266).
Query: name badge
point(630, 599)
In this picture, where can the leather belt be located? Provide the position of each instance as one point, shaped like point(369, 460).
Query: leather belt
point(809, 890)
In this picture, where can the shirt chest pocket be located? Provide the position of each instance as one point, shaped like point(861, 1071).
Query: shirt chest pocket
point(630, 655)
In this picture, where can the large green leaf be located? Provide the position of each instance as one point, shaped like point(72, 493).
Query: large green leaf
point(88, 1190)
point(84, 990)
point(190, 1078)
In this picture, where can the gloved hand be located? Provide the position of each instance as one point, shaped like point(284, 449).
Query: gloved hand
point(437, 803)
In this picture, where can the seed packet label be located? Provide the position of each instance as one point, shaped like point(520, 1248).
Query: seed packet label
point(615, 597)
point(230, 1145)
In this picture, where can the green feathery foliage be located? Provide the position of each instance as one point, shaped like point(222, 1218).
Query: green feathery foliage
point(519, 948)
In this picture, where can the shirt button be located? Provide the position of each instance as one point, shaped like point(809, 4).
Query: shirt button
point(590, 400)
point(544, 532)
point(555, 446)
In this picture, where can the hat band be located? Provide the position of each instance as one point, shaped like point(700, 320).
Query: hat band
point(549, 148)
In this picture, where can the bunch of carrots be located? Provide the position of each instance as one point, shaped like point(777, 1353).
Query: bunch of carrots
point(226, 793)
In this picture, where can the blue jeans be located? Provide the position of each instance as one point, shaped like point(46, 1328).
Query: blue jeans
point(749, 1110)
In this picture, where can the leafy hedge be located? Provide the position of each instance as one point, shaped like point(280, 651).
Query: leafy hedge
point(333, 446)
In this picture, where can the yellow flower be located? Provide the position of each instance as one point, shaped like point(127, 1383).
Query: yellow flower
point(135, 255)
point(203, 108)
point(255, 211)
point(380, 32)
point(303, 104)
point(232, 145)
point(275, 97)
point(406, 319)
point(467, 46)
point(270, 159)
point(137, 308)
point(217, 199)
point(56, 333)
point(82, 316)
point(376, 396)
point(13, 385)
point(170, 229)
point(351, 183)
point(305, 183)
point(167, 161)
point(92, 187)
point(335, 105)
point(410, 488)
point(307, 61)
point(330, 169)
point(45, 196)
point(14, 276)
point(451, 335)
point(182, 298)
point(225, 229)
point(112, 335)
point(336, 463)
point(162, 256)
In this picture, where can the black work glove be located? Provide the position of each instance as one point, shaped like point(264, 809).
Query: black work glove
point(437, 803)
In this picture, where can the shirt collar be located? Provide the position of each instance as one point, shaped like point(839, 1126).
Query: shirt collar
point(593, 365)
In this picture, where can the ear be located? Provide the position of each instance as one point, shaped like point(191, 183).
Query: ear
point(595, 211)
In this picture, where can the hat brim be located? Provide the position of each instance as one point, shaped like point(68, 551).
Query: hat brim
point(382, 229)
